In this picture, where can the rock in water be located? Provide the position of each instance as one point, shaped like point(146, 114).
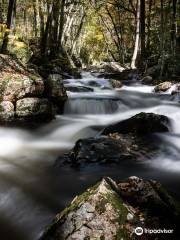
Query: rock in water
point(147, 80)
point(163, 87)
point(142, 123)
point(116, 148)
point(116, 83)
point(106, 211)
point(130, 139)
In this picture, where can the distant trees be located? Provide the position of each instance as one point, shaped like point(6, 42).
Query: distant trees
point(11, 11)
point(116, 30)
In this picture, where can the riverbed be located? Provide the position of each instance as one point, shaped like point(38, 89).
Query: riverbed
point(32, 191)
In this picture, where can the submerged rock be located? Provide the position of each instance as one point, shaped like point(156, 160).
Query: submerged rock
point(79, 89)
point(163, 87)
point(107, 211)
point(142, 123)
point(116, 83)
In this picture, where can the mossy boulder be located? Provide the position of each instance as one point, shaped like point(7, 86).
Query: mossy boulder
point(107, 211)
point(99, 213)
point(26, 95)
point(30, 108)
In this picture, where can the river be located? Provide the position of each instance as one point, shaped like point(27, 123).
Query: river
point(32, 191)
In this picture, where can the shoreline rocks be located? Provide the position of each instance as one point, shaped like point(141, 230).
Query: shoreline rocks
point(26, 96)
point(112, 210)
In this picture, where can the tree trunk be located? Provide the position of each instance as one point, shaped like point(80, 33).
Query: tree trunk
point(173, 28)
point(149, 26)
point(162, 38)
point(136, 47)
point(61, 24)
point(142, 20)
point(11, 8)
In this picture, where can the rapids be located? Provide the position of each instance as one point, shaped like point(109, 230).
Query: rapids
point(32, 191)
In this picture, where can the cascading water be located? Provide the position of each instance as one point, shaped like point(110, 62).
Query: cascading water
point(31, 192)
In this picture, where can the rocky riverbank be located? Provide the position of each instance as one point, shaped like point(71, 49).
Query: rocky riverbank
point(115, 210)
point(25, 95)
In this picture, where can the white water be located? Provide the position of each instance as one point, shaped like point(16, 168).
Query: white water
point(30, 194)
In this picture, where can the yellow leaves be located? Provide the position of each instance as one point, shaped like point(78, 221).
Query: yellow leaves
point(19, 44)
point(3, 28)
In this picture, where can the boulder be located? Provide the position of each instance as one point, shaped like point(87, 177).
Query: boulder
point(55, 88)
point(147, 80)
point(116, 148)
point(25, 94)
point(15, 87)
point(106, 211)
point(129, 140)
point(6, 111)
point(163, 87)
point(30, 108)
point(142, 123)
point(116, 83)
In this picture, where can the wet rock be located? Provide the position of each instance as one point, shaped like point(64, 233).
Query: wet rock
point(129, 140)
point(152, 199)
point(176, 90)
point(79, 89)
point(6, 111)
point(28, 108)
point(163, 87)
point(106, 211)
point(55, 88)
point(116, 83)
point(142, 123)
point(147, 80)
point(116, 148)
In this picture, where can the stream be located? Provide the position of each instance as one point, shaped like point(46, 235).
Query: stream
point(32, 191)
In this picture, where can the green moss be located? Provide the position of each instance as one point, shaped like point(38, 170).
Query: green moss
point(122, 234)
point(80, 199)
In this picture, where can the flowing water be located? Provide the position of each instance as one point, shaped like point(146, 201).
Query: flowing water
point(32, 191)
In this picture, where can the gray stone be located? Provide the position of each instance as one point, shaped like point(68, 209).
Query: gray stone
point(163, 87)
point(147, 80)
point(6, 111)
point(55, 88)
point(33, 107)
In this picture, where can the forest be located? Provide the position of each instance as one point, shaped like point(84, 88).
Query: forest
point(89, 119)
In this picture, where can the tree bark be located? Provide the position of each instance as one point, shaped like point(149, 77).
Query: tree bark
point(136, 46)
point(11, 8)
point(143, 34)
